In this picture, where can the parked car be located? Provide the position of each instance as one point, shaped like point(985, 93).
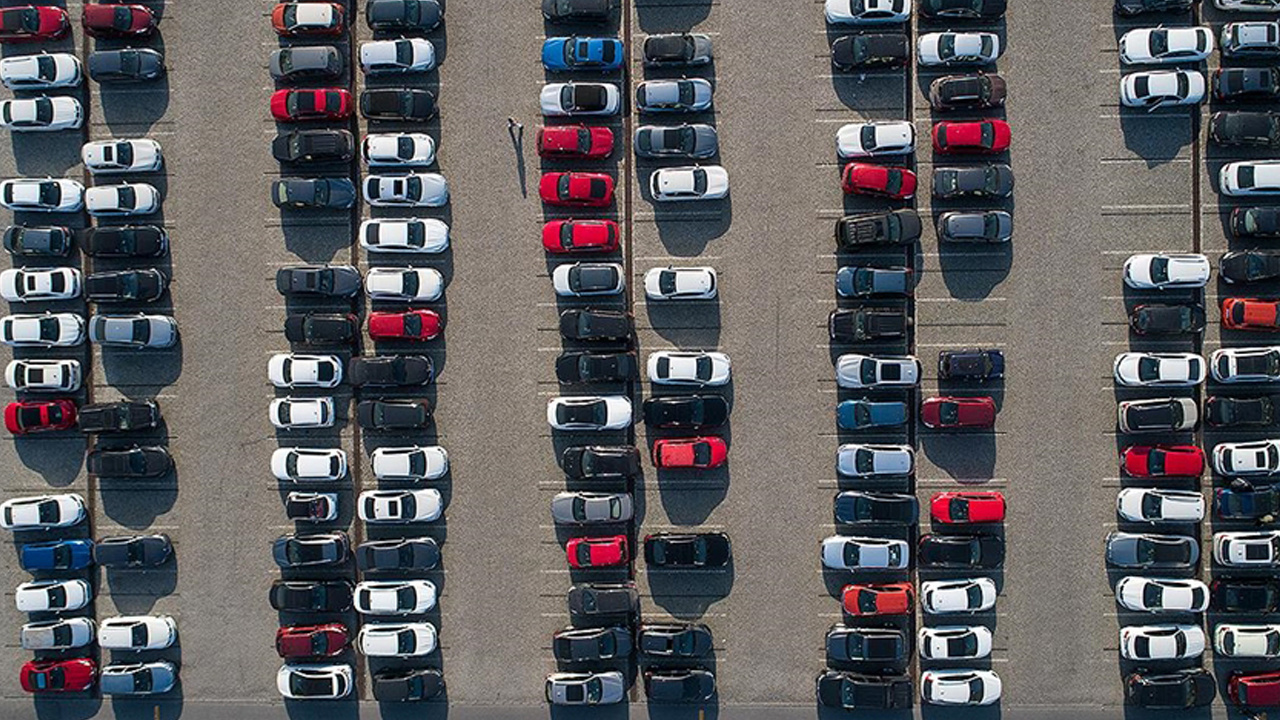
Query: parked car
point(1157, 415)
point(1246, 266)
point(43, 331)
point(43, 375)
point(314, 596)
point(400, 506)
point(391, 371)
point(695, 452)
point(844, 552)
point(312, 681)
point(1259, 129)
point(39, 284)
point(1254, 689)
point(1247, 549)
point(1250, 314)
point(960, 687)
point(969, 91)
point(576, 189)
point(872, 139)
point(1137, 7)
point(1249, 177)
point(1142, 369)
point(1153, 89)
point(589, 688)
point(398, 104)
point(1160, 45)
point(984, 226)
point(1158, 505)
point(576, 53)
point(137, 632)
point(58, 675)
point(132, 461)
point(874, 371)
point(875, 599)
point(1247, 502)
point(21, 418)
point(105, 20)
point(308, 18)
point(321, 328)
point(1151, 551)
point(319, 549)
point(119, 416)
point(591, 645)
point(58, 634)
point(961, 551)
point(973, 365)
point(896, 183)
point(985, 137)
point(954, 642)
point(411, 190)
point(127, 241)
point(572, 98)
point(140, 285)
point(681, 283)
point(594, 324)
point(892, 227)
point(38, 241)
point(1162, 319)
point(305, 62)
point(597, 552)
point(30, 23)
point(1161, 642)
point(698, 182)
point(296, 193)
point(1247, 641)
point(419, 325)
point(139, 331)
point(403, 15)
point(679, 684)
point(677, 641)
point(41, 114)
point(699, 551)
point(126, 65)
point(1252, 39)
point(966, 595)
point(1145, 594)
point(958, 48)
point(313, 146)
point(597, 602)
point(399, 56)
point(866, 50)
point(862, 414)
point(132, 551)
point(56, 555)
point(853, 325)
point(576, 141)
point(312, 641)
point(1174, 690)
point(583, 507)
point(290, 413)
point(394, 414)
point(586, 236)
point(398, 149)
point(962, 9)
point(856, 507)
point(52, 595)
point(986, 182)
point(404, 284)
point(950, 412)
point(395, 597)
point(323, 280)
point(853, 691)
point(867, 12)
point(582, 279)
point(1148, 461)
point(585, 462)
point(42, 195)
point(311, 507)
point(588, 367)
point(398, 555)
point(676, 49)
point(670, 367)
point(1245, 365)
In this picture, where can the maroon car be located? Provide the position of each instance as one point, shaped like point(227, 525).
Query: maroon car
point(305, 641)
point(958, 412)
point(118, 21)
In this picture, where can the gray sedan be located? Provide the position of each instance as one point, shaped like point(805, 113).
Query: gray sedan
point(583, 507)
point(306, 62)
point(681, 95)
point(990, 226)
point(1147, 550)
point(149, 678)
point(680, 141)
point(589, 688)
point(134, 331)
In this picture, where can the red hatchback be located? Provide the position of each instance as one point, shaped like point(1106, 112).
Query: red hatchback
point(31, 23)
point(317, 104)
point(304, 641)
point(988, 137)
point(957, 508)
point(21, 418)
point(1162, 460)
point(118, 21)
point(898, 183)
point(576, 189)
point(1254, 689)
point(958, 412)
point(74, 675)
point(308, 18)
point(407, 325)
point(882, 599)
point(696, 452)
point(567, 236)
point(593, 552)
point(1250, 314)
point(575, 141)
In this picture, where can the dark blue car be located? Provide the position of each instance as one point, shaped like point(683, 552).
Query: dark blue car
point(582, 53)
point(1247, 502)
point(864, 414)
point(57, 555)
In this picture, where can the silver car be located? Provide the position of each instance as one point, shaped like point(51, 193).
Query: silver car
point(148, 678)
point(134, 331)
point(678, 95)
point(591, 688)
point(584, 507)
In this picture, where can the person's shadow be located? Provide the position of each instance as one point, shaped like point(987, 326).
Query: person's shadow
point(516, 131)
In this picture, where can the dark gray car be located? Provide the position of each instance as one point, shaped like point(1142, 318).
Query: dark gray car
point(293, 550)
point(680, 141)
point(125, 66)
point(49, 240)
point(306, 62)
point(402, 15)
point(675, 641)
point(407, 554)
point(132, 551)
point(865, 281)
point(974, 181)
point(677, 49)
point(327, 280)
point(578, 645)
point(989, 226)
point(594, 601)
point(1149, 551)
point(313, 193)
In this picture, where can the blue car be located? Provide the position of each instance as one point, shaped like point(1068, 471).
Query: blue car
point(582, 53)
point(864, 414)
point(57, 555)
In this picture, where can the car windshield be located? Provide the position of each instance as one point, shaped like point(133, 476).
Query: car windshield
point(1152, 506)
point(702, 453)
point(412, 327)
point(988, 135)
point(1159, 42)
point(595, 690)
point(1159, 270)
point(405, 643)
point(667, 282)
point(864, 461)
point(1155, 461)
point(947, 45)
point(1148, 369)
point(1184, 85)
point(305, 686)
point(579, 509)
point(409, 283)
point(138, 635)
point(50, 193)
point(868, 137)
point(699, 181)
point(959, 509)
point(867, 372)
point(703, 368)
point(893, 181)
point(1153, 595)
point(686, 92)
point(975, 690)
point(949, 413)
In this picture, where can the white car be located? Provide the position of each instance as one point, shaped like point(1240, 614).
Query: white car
point(966, 595)
point(42, 194)
point(859, 460)
point(1148, 594)
point(1139, 369)
point(41, 71)
point(867, 12)
point(589, 412)
point(286, 370)
point(400, 640)
point(137, 632)
point(43, 375)
point(411, 190)
point(1244, 365)
point(429, 462)
point(958, 48)
point(701, 369)
point(959, 687)
point(954, 642)
point(889, 137)
point(407, 284)
point(1247, 641)
point(404, 55)
point(60, 634)
point(1261, 457)
point(1250, 177)
point(407, 235)
point(400, 506)
point(41, 114)
point(1248, 5)
point(846, 552)
point(1247, 549)
point(105, 157)
point(1165, 271)
point(1161, 642)
point(1258, 38)
point(1152, 89)
point(42, 512)
point(586, 279)
point(1159, 505)
point(395, 597)
point(398, 149)
point(122, 200)
point(52, 595)
point(292, 413)
point(868, 371)
point(310, 681)
point(683, 283)
point(586, 688)
point(565, 99)
point(1166, 45)
point(35, 284)
point(44, 331)
point(694, 182)
point(308, 464)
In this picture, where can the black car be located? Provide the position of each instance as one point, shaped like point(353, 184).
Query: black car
point(323, 280)
point(132, 551)
point(857, 506)
point(894, 227)
point(1137, 7)
point(407, 684)
point(582, 645)
point(961, 551)
point(119, 416)
point(401, 15)
point(678, 550)
point(1175, 690)
point(577, 10)
point(1246, 266)
point(600, 461)
point(393, 414)
point(125, 66)
point(974, 91)
point(1161, 319)
point(1260, 129)
point(679, 684)
point(585, 367)
point(676, 49)
point(314, 146)
point(973, 181)
point(679, 141)
point(597, 602)
point(305, 62)
point(852, 691)
point(674, 641)
point(310, 595)
point(866, 644)
point(688, 412)
point(1245, 595)
point(1260, 222)
point(293, 551)
point(962, 9)
point(1231, 84)
point(321, 328)
point(398, 104)
point(851, 325)
point(143, 285)
point(971, 364)
point(44, 241)
point(127, 241)
point(391, 370)
point(1222, 411)
point(852, 52)
point(129, 462)
point(593, 324)
point(1249, 502)
point(400, 555)
point(313, 193)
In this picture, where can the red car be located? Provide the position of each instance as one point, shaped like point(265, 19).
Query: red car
point(1250, 314)
point(956, 508)
point(696, 452)
point(29, 23)
point(407, 325)
point(118, 21)
point(308, 18)
point(898, 183)
point(958, 412)
point(593, 552)
point(1254, 689)
point(988, 137)
point(304, 641)
point(74, 675)
point(575, 141)
point(1162, 460)
point(576, 189)
point(21, 418)
point(882, 599)
point(566, 236)
point(310, 104)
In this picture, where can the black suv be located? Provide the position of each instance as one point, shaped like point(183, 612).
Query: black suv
point(688, 412)
point(961, 551)
point(679, 551)
point(970, 364)
point(398, 104)
point(314, 146)
point(585, 367)
point(596, 324)
point(866, 324)
point(870, 50)
point(119, 416)
point(393, 414)
point(597, 461)
point(126, 241)
point(129, 462)
point(310, 595)
point(321, 328)
point(142, 285)
point(896, 227)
